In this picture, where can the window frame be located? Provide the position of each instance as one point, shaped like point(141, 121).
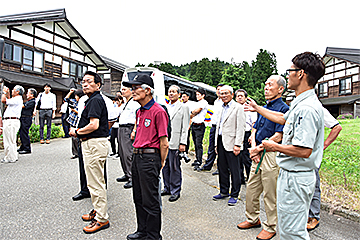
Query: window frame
point(345, 90)
point(321, 88)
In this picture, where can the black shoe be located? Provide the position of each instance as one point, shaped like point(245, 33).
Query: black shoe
point(128, 184)
point(24, 152)
point(164, 193)
point(122, 179)
point(216, 172)
point(112, 154)
point(202, 169)
point(20, 149)
point(174, 197)
point(80, 196)
point(196, 163)
point(136, 235)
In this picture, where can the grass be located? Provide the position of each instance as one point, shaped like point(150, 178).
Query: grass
point(340, 168)
point(340, 177)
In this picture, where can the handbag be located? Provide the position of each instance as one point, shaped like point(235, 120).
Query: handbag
point(39, 103)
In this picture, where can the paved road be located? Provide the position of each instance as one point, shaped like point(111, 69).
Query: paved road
point(36, 203)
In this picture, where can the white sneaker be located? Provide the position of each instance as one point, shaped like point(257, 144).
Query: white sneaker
point(4, 161)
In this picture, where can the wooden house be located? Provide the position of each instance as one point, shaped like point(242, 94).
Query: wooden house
point(44, 47)
point(339, 89)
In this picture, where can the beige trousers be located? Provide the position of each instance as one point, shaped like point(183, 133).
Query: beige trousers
point(10, 129)
point(263, 182)
point(95, 151)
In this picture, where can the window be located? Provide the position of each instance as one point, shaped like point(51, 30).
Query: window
point(72, 69)
point(345, 86)
point(323, 89)
point(29, 59)
point(12, 52)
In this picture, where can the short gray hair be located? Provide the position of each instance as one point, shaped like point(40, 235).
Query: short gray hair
point(177, 88)
point(19, 89)
point(33, 92)
point(145, 86)
point(227, 87)
point(280, 80)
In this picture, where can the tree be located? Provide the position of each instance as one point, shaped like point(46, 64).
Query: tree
point(264, 66)
point(233, 76)
point(203, 72)
point(140, 65)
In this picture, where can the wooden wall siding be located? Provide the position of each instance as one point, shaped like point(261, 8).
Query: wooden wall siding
point(10, 67)
point(333, 91)
point(355, 88)
point(52, 70)
point(116, 77)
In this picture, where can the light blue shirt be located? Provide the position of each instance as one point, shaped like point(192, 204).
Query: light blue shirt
point(304, 127)
point(224, 113)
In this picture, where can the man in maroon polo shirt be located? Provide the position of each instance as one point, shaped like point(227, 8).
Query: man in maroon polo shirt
point(150, 151)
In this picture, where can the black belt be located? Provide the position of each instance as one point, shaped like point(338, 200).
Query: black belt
point(145, 150)
point(126, 125)
point(26, 116)
point(5, 118)
point(45, 108)
point(196, 124)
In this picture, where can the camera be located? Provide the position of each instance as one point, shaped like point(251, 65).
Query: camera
point(183, 156)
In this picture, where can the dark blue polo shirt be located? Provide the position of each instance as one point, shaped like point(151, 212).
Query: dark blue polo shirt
point(266, 128)
point(95, 107)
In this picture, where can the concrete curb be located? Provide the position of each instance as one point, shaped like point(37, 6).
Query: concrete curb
point(354, 216)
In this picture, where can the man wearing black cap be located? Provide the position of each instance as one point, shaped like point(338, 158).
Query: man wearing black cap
point(198, 126)
point(149, 154)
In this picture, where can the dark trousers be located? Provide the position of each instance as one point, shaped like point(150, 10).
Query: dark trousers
point(45, 115)
point(245, 160)
point(113, 138)
point(188, 141)
point(228, 161)
point(83, 182)
point(198, 136)
point(65, 125)
point(25, 124)
point(172, 173)
point(211, 150)
point(146, 193)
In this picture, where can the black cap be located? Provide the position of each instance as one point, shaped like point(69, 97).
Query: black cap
point(187, 93)
point(140, 79)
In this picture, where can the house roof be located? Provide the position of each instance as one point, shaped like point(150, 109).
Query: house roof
point(114, 64)
point(340, 100)
point(348, 54)
point(58, 16)
point(62, 84)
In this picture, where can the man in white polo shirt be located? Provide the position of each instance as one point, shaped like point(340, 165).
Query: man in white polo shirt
point(126, 125)
point(11, 121)
point(47, 111)
point(198, 126)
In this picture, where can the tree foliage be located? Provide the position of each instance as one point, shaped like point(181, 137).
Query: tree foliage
point(250, 77)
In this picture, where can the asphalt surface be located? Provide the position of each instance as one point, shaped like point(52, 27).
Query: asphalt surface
point(36, 203)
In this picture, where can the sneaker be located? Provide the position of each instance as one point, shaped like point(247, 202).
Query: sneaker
point(4, 161)
point(232, 201)
point(220, 196)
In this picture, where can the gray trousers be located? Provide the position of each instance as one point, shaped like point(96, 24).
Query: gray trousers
point(45, 115)
point(294, 193)
point(172, 173)
point(314, 211)
point(74, 146)
point(125, 149)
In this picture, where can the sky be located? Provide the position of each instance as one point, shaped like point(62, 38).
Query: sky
point(179, 32)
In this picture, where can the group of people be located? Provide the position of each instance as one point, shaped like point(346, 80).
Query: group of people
point(278, 148)
point(18, 117)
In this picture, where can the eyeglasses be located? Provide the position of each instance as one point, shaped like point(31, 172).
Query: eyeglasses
point(134, 87)
point(86, 81)
point(294, 70)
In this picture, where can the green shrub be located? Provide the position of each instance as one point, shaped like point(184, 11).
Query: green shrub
point(345, 116)
point(56, 132)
